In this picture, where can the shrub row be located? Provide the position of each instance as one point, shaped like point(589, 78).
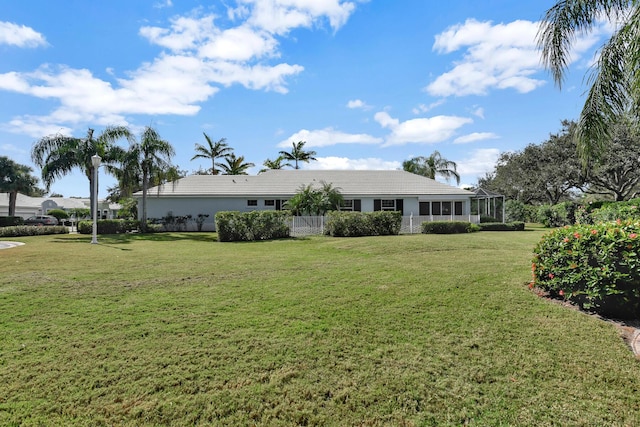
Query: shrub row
point(448, 227)
point(595, 266)
point(499, 226)
point(109, 226)
point(10, 221)
point(608, 211)
point(255, 225)
point(355, 224)
point(27, 230)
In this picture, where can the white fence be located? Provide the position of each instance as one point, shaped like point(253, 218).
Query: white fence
point(314, 225)
point(306, 225)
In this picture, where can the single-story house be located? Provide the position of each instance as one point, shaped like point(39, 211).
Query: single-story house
point(363, 190)
point(27, 206)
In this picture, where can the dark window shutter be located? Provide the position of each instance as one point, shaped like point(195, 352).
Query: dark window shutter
point(377, 205)
point(400, 205)
point(278, 205)
point(424, 208)
point(357, 205)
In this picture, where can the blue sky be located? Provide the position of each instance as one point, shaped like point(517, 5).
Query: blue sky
point(367, 84)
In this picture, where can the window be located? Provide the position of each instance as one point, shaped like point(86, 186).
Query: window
point(347, 205)
point(252, 203)
point(435, 208)
point(269, 202)
point(388, 205)
point(458, 208)
point(425, 208)
point(446, 208)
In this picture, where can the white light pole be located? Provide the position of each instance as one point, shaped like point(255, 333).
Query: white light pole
point(95, 161)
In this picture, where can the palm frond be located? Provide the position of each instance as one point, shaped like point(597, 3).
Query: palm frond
point(564, 21)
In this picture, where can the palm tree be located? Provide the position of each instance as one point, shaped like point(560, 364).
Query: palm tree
point(274, 164)
point(615, 78)
point(215, 150)
point(15, 178)
point(317, 201)
point(431, 166)
point(234, 165)
point(57, 155)
point(153, 156)
point(298, 154)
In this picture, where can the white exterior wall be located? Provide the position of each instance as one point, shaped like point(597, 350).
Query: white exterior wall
point(160, 207)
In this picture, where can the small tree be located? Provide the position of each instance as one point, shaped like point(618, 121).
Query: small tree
point(315, 201)
point(59, 214)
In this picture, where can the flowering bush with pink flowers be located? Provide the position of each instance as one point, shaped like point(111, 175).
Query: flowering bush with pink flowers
point(596, 266)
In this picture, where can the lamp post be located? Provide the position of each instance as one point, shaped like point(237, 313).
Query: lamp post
point(95, 161)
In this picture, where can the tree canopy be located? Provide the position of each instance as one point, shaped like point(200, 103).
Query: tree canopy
point(615, 78)
point(234, 165)
point(58, 155)
point(551, 172)
point(432, 166)
point(311, 200)
point(16, 178)
point(213, 151)
point(298, 154)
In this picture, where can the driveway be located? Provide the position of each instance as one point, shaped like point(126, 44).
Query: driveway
point(7, 245)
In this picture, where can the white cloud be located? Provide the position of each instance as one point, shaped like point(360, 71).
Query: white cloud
point(199, 56)
point(478, 112)
point(162, 4)
point(184, 33)
point(474, 137)
point(10, 148)
point(422, 130)
point(358, 103)
point(280, 16)
point(327, 137)
point(20, 35)
point(345, 163)
point(479, 162)
point(496, 56)
point(423, 108)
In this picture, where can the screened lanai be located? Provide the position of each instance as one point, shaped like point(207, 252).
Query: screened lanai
point(488, 203)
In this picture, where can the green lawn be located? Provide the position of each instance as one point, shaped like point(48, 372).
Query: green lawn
point(179, 329)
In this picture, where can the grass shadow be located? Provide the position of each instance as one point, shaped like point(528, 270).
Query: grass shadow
point(127, 238)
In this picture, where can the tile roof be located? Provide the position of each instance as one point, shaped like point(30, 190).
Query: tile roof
point(287, 182)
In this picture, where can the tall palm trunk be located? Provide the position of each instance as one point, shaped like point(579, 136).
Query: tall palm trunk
point(13, 196)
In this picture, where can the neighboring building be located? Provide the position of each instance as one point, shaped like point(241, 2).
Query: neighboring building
point(365, 191)
point(27, 206)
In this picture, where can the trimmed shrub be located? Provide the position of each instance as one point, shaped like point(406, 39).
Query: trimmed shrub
point(10, 221)
point(516, 210)
point(499, 226)
point(109, 226)
point(255, 225)
point(26, 230)
point(357, 224)
point(448, 227)
point(595, 266)
point(488, 218)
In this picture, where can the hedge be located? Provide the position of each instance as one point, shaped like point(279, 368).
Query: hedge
point(356, 224)
point(499, 226)
point(448, 227)
point(10, 221)
point(256, 225)
point(595, 266)
point(108, 226)
point(29, 230)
